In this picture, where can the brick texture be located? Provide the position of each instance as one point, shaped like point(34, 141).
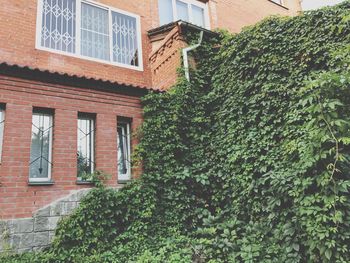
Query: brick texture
point(18, 34)
point(17, 198)
point(17, 46)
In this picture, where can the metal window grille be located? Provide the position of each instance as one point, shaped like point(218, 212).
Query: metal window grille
point(41, 147)
point(86, 145)
point(124, 145)
point(58, 30)
point(90, 30)
point(94, 32)
point(125, 45)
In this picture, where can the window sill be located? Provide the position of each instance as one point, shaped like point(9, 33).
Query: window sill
point(79, 182)
point(124, 181)
point(91, 59)
point(46, 183)
point(278, 4)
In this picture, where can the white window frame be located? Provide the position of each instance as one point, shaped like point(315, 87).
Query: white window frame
point(2, 126)
point(189, 7)
point(125, 176)
point(93, 142)
point(49, 169)
point(77, 53)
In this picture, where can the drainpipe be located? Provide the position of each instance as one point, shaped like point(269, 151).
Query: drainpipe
point(185, 55)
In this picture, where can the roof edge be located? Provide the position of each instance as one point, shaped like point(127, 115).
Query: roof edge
point(53, 77)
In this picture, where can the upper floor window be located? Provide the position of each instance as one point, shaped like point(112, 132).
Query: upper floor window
point(89, 30)
point(2, 122)
point(191, 11)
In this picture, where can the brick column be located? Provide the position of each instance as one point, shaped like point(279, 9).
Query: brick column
point(14, 168)
point(106, 145)
point(65, 148)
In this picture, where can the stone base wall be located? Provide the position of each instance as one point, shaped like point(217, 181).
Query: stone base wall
point(37, 232)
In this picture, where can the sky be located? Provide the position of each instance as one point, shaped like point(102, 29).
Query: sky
point(313, 4)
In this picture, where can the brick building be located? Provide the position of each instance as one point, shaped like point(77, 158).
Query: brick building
point(72, 73)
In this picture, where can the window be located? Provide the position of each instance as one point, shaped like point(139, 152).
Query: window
point(89, 30)
point(2, 124)
point(191, 11)
point(94, 32)
point(124, 167)
point(86, 145)
point(280, 2)
point(165, 11)
point(41, 146)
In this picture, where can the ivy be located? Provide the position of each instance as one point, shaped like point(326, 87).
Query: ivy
point(247, 163)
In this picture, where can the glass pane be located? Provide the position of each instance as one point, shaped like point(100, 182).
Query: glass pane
point(58, 25)
point(165, 11)
point(198, 16)
point(85, 154)
point(94, 32)
point(182, 10)
point(2, 120)
point(125, 42)
point(40, 159)
point(123, 151)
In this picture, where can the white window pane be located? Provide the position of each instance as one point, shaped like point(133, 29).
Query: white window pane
point(58, 25)
point(125, 42)
point(2, 122)
point(124, 172)
point(165, 11)
point(85, 154)
point(182, 11)
point(198, 16)
point(40, 156)
point(94, 32)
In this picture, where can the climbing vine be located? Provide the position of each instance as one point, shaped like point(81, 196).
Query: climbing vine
point(247, 163)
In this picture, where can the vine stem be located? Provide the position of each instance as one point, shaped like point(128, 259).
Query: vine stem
point(334, 169)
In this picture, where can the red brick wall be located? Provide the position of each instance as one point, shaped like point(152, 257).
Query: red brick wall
point(17, 198)
point(236, 14)
point(18, 34)
point(17, 46)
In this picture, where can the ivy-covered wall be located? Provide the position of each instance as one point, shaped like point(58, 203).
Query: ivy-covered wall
point(247, 163)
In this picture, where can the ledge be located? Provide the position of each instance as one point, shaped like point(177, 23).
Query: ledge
point(124, 181)
point(79, 182)
point(46, 183)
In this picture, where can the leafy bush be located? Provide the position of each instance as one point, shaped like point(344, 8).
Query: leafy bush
point(247, 163)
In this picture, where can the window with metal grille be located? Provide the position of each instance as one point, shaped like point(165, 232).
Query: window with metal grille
point(2, 124)
point(191, 11)
point(90, 30)
point(41, 146)
point(86, 146)
point(124, 147)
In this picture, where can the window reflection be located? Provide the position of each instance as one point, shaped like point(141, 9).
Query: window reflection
point(85, 153)
point(124, 151)
point(40, 151)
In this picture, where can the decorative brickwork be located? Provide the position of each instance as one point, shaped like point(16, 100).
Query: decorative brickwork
point(165, 59)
